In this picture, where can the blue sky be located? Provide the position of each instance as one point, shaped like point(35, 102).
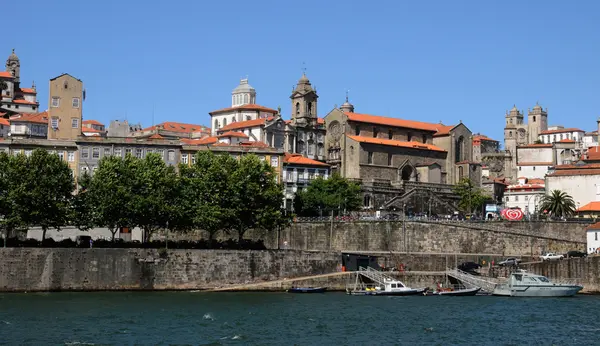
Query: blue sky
point(419, 60)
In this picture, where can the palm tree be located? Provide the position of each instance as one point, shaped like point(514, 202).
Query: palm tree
point(558, 204)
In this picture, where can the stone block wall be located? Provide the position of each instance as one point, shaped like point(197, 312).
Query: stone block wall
point(54, 269)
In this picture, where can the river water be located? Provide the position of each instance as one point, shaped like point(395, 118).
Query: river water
point(188, 318)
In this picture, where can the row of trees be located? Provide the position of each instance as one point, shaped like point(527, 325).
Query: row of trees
point(217, 193)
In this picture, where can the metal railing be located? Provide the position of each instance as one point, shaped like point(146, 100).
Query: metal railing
point(472, 281)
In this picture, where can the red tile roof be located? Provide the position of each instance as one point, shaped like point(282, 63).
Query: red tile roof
point(594, 226)
point(4, 121)
point(540, 145)
point(201, 141)
point(234, 134)
point(566, 140)
point(156, 136)
point(525, 187)
point(92, 122)
point(254, 144)
point(536, 181)
point(39, 118)
point(298, 159)
point(24, 102)
point(390, 142)
point(320, 121)
point(592, 206)
point(248, 107)
point(573, 172)
point(409, 124)
point(444, 130)
point(571, 129)
point(6, 74)
point(244, 124)
point(28, 91)
point(178, 127)
point(593, 153)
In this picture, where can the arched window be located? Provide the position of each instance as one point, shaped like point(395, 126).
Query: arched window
point(233, 119)
point(246, 99)
point(509, 133)
point(357, 130)
point(216, 124)
point(460, 172)
point(297, 108)
point(409, 136)
point(534, 118)
point(225, 122)
point(309, 108)
point(407, 172)
point(367, 201)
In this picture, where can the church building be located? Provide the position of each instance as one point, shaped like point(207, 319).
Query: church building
point(13, 98)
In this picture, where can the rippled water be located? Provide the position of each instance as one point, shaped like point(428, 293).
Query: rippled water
point(185, 318)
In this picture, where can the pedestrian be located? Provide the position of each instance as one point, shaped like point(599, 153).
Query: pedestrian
point(91, 243)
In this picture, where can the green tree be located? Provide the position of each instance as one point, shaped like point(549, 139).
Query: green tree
point(326, 195)
point(82, 210)
point(155, 190)
point(111, 193)
point(10, 218)
point(208, 189)
point(257, 197)
point(472, 198)
point(43, 193)
point(558, 204)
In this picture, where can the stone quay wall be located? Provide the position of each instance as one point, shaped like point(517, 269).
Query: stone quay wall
point(56, 269)
point(505, 238)
point(585, 271)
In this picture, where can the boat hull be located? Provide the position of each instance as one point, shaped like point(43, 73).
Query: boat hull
point(307, 290)
point(538, 291)
point(411, 292)
point(461, 293)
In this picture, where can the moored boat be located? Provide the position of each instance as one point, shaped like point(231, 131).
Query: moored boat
point(460, 292)
point(307, 290)
point(523, 284)
point(380, 284)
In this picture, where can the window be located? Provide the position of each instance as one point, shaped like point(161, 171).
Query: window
point(367, 201)
point(127, 151)
point(390, 156)
point(357, 130)
point(274, 161)
point(95, 153)
point(370, 157)
point(171, 155)
point(118, 152)
point(84, 169)
point(375, 132)
point(75, 102)
point(534, 118)
point(262, 158)
point(54, 123)
point(596, 235)
point(424, 138)
point(161, 153)
point(193, 159)
point(321, 150)
point(71, 156)
point(390, 134)
point(520, 168)
point(55, 102)
point(184, 159)
point(85, 153)
point(409, 136)
point(509, 133)
point(61, 155)
point(139, 153)
point(311, 147)
point(534, 168)
point(28, 153)
point(74, 123)
point(248, 117)
point(106, 151)
point(516, 198)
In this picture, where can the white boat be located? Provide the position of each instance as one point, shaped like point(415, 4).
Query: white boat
point(523, 284)
point(380, 285)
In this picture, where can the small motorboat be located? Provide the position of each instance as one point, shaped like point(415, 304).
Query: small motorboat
point(460, 292)
point(307, 290)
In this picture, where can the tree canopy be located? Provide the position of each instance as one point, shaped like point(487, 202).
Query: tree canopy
point(472, 198)
point(326, 195)
point(557, 204)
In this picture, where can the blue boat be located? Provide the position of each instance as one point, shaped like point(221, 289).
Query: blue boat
point(307, 290)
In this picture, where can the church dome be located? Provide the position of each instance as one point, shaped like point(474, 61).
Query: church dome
point(243, 87)
point(303, 79)
point(537, 106)
point(347, 106)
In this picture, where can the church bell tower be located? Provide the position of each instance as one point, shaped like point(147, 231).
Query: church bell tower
point(304, 103)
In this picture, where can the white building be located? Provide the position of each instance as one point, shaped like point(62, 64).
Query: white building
point(15, 99)
point(243, 108)
point(232, 138)
point(593, 238)
point(299, 172)
point(4, 126)
point(581, 181)
point(526, 195)
point(29, 125)
point(559, 133)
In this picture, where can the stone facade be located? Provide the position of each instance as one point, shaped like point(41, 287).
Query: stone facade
point(13, 98)
point(65, 107)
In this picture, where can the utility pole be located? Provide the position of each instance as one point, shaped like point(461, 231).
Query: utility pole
point(404, 226)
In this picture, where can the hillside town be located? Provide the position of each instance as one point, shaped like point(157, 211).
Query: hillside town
point(400, 163)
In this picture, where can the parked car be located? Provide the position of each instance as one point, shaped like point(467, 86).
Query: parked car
point(551, 256)
point(391, 217)
point(511, 261)
point(469, 267)
point(575, 253)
